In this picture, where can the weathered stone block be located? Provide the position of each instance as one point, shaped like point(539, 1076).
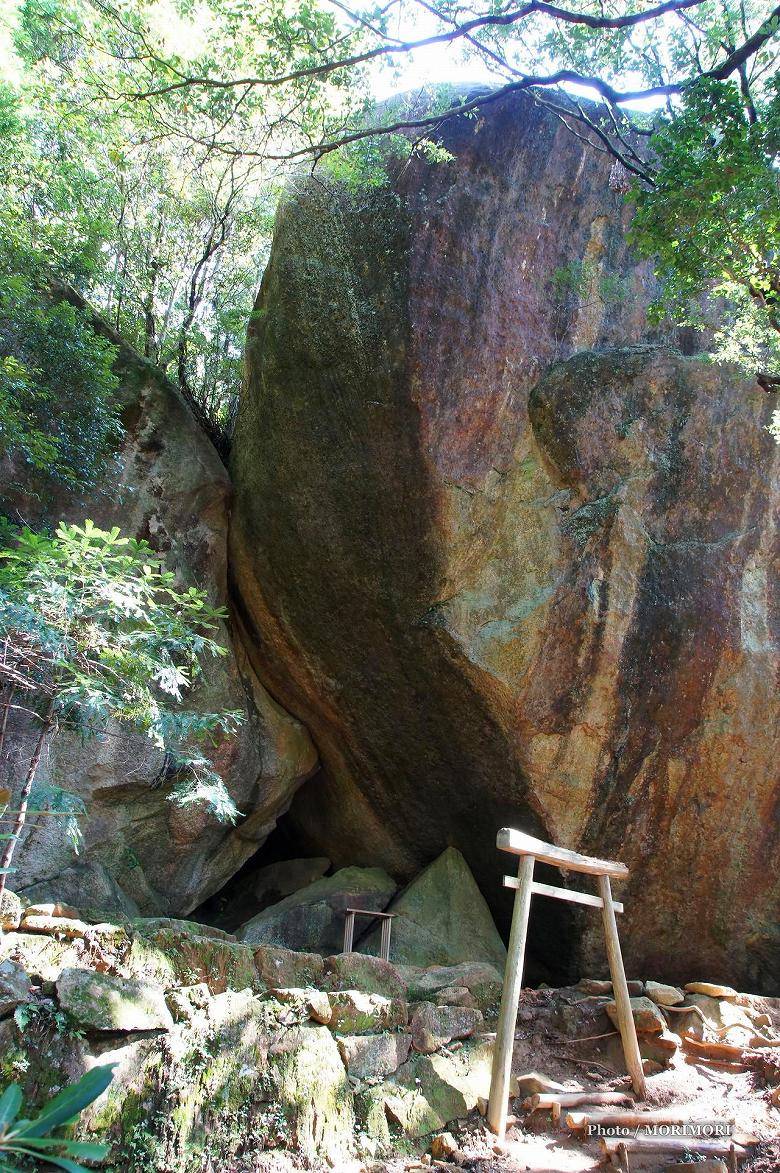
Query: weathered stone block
point(100, 1002)
point(369, 1056)
point(15, 987)
point(313, 917)
point(356, 1013)
point(663, 995)
point(176, 956)
point(315, 1003)
point(361, 971)
point(432, 1026)
point(280, 967)
point(647, 1017)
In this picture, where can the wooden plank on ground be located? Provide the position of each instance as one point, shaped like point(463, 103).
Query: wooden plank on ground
point(633, 1120)
point(575, 1099)
point(671, 1144)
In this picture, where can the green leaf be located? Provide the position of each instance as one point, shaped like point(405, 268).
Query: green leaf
point(50, 1158)
point(71, 1101)
point(10, 1103)
point(89, 1150)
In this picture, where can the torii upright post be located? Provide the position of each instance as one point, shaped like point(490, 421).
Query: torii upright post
point(529, 850)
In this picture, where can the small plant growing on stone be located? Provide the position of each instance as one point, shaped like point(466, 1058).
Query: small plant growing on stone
point(44, 1016)
point(21, 1139)
point(94, 630)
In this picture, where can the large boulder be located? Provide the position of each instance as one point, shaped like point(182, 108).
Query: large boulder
point(140, 851)
point(312, 919)
point(88, 885)
point(277, 880)
point(442, 918)
point(495, 605)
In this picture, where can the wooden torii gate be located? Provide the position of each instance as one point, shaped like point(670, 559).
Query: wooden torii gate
point(530, 849)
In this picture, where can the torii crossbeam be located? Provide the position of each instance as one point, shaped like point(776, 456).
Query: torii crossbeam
point(530, 849)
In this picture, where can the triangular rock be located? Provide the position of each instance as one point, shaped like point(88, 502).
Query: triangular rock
point(442, 918)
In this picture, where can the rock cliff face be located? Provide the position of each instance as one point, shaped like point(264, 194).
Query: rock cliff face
point(503, 585)
point(140, 851)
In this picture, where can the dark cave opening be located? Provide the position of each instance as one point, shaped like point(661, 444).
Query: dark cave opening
point(554, 928)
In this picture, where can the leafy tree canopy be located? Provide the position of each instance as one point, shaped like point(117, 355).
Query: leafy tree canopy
point(155, 132)
point(59, 419)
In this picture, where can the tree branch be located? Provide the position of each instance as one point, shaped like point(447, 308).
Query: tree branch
point(503, 20)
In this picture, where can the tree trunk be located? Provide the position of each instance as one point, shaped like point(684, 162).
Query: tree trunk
point(6, 708)
point(24, 798)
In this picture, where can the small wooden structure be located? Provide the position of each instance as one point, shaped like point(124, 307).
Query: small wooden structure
point(384, 941)
point(530, 849)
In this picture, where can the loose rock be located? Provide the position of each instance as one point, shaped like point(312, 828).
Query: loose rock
point(647, 1016)
point(368, 1056)
point(594, 986)
point(361, 971)
point(15, 987)
point(454, 996)
point(61, 926)
point(11, 910)
point(533, 1083)
point(433, 1026)
point(663, 995)
point(279, 967)
point(55, 908)
point(711, 989)
point(316, 1003)
point(443, 1146)
point(100, 1002)
point(188, 1004)
point(356, 1013)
